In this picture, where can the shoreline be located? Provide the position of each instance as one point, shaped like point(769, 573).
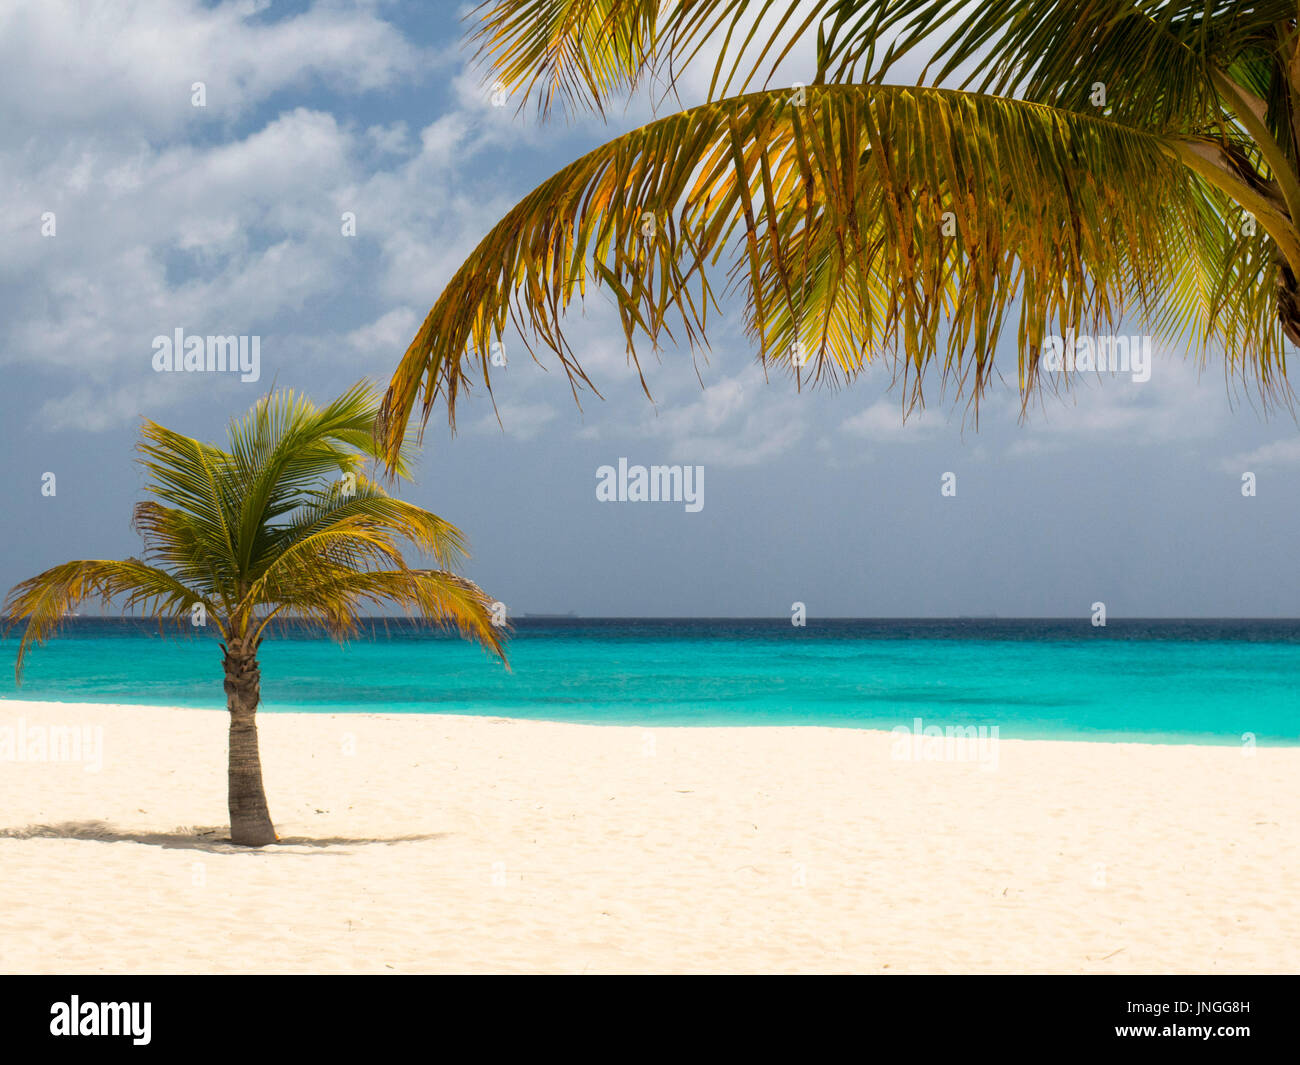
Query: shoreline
point(264, 713)
point(441, 843)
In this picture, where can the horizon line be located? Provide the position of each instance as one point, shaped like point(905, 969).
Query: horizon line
point(766, 617)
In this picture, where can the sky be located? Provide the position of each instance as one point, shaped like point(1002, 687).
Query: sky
point(131, 213)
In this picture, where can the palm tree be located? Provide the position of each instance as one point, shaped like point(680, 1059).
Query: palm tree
point(284, 524)
point(1105, 157)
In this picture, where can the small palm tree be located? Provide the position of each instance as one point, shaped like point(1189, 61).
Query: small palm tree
point(284, 524)
point(1104, 157)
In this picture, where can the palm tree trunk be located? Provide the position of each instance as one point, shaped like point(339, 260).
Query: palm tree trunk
point(250, 823)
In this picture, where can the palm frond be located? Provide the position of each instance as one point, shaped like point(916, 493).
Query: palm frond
point(860, 220)
point(1154, 57)
point(1168, 67)
point(44, 600)
point(332, 596)
point(582, 53)
point(363, 506)
point(193, 477)
point(578, 52)
point(286, 444)
point(175, 540)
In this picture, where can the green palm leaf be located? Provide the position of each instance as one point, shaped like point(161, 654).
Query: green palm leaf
point(282, 524)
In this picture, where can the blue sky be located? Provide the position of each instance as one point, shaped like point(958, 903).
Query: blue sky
point(225, 219)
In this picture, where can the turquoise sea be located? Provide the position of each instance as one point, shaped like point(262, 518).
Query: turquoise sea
point(1160, 681)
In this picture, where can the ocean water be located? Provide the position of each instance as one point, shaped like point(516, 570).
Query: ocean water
point(1159, 681)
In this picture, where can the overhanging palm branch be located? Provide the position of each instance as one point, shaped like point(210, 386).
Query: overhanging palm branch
point(863, 220)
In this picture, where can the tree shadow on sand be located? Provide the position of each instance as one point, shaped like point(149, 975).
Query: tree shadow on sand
point(215, 840)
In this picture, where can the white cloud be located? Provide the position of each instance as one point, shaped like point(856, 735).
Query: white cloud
point(128, 65)
point(741, 420)
point(252, 222)
point(1178, 404)
point(391, 331)
point(1279, 454)
point(884, 421)
point(165, 219)
point(391, 139)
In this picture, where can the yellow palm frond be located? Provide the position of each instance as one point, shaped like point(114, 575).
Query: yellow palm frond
point(44, 600)
point(860, 221)
point(331, 594)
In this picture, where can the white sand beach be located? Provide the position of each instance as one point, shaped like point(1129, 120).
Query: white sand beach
point(450, 844)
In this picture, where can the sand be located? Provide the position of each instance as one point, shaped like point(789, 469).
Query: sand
point(436, 844)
